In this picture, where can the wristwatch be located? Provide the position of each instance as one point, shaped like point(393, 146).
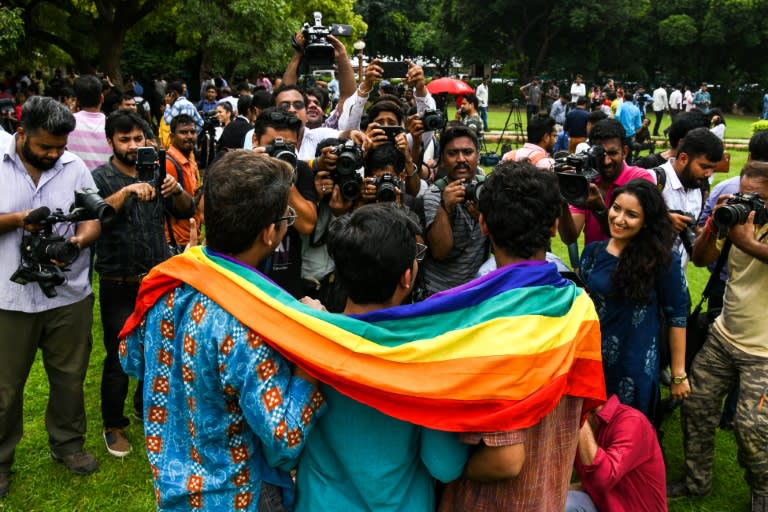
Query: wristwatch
point(679, 380)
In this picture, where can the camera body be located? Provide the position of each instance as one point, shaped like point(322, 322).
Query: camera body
point(433, 120)
point(472, 191)
point(43, 249)
point(349, 160)
point(576, 171)
point(210, 121)
point(282, 150)
point(317, 50)
point(150, 166)
point(687, 235)
point(387, 187)
point(737, 209)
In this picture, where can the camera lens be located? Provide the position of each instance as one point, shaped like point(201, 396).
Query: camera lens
point(64, 252)
point(731, 214)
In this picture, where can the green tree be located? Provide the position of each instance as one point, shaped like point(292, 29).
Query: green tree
point(11, 29)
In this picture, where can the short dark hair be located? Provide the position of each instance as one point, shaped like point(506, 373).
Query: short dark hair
point(538, 127)
point(520, 191)
point(243, 104)
point(755, 169)
point(276, 119)
point(330, 141)
point(321, 95)
point(123, 121)
point(758, 146)
point(605, 130)
point(581, 100)
point(287, 87)
point(47, 114)
point(382, 156)
point(386, 106)
point(88, 91)
point(685, 122)
point(456, 132)
point(261, 100)
point(372, 248)
point(596, 115)
point(209, 87)
point(472, 98)
point(702, 142)
point(181, 119)
point(244, 192)
point(176, 86)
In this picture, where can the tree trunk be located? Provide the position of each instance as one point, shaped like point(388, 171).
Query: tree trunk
point(111, 39)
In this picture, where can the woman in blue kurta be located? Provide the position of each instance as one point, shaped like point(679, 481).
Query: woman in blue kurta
point(634, 278)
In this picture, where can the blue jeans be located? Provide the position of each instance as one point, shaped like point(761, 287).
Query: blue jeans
point(484, 116)
point(579, 501)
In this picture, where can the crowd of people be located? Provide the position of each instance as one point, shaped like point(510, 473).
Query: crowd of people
point(226, 232)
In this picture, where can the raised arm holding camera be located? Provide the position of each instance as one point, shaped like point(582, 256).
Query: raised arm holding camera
point(39, 174)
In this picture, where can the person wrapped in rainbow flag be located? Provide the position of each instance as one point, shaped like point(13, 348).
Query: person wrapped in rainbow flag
point(496, 354)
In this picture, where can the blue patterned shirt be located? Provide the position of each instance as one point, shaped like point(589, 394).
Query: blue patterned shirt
point(183, 106)
point(221, 408)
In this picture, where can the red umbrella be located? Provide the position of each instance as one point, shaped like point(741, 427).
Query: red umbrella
point(449, 86)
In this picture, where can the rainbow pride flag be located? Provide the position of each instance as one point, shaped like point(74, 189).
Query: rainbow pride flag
point(495, 354)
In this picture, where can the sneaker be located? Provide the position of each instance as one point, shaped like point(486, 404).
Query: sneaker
point(80, 463)
point(4, 483)
point(678, 489)
point(117, 443)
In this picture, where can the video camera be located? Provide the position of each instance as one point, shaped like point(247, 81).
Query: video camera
point(150, 166)
point(317, 50)
point(349, 160)
point(387, 187)
point(282, 150)
point(43, 251)
point(737, 209)
point(576, 171)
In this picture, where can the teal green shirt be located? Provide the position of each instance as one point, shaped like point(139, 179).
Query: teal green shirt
point(358, 459)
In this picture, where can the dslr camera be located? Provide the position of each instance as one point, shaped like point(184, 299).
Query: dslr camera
point(576, 171)
point(150, 166)
point(43, 251)
point(433, 120)
point(737, 209)
point(282, 150)
point(472, 191)
point(317, 50)
point(687, 235)
point(349, 160)
point(387, 187)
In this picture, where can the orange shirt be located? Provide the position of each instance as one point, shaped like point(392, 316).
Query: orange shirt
point(190, 182)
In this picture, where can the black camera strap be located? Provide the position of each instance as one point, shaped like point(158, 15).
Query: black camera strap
point(715, 275)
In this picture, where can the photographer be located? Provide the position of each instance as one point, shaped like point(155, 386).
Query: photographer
point(457, 246)
point(39, 172)
point(274, 127)
point(181, 166)
point(685, 174)
point(541, 138)
point(735, 347)
point(128, 248)
point(613, 173)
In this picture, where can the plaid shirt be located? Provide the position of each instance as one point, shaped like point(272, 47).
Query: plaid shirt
point(183, 106)
point(542, 485)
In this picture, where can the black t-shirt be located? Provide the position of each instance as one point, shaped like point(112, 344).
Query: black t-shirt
point(284, 266)
point(650, 161)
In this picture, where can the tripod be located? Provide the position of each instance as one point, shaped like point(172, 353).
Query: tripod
point(517, 124)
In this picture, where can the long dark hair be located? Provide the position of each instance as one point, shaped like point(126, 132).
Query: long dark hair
point(649, 253)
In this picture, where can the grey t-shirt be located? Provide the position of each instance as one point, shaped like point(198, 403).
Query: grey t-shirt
point(467, 254)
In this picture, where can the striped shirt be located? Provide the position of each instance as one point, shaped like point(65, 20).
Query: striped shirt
point(466, 255)
point(542, 485)
point(89, 140)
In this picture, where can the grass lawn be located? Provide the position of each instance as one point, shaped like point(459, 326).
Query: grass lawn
point(41, 485)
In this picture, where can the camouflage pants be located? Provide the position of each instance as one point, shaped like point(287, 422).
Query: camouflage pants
point(717, 367)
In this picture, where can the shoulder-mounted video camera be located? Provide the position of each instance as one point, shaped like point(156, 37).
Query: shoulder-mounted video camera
point(317, 50)
point(44, 253)
point(576, 171)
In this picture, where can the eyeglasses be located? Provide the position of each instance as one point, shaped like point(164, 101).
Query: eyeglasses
point(421, 251)
point(290, 218)
point(286, 105)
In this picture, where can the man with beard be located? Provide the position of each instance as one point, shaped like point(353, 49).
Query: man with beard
point(457, 246)
point(38, 172)
point(180, 164)
point(129, 246)
point(591, 217)
point(684, 175)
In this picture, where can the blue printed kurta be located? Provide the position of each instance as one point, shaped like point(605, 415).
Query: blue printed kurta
point(221, 409)
point(630, 330)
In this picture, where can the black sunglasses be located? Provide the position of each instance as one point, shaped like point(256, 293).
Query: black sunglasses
point(285, 105)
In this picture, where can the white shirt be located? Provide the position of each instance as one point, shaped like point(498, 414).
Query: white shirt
point(578, 90)
point(482, 95)
point(660, 100)
point(688, 101)
point(679, 198)
point(676, 100)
